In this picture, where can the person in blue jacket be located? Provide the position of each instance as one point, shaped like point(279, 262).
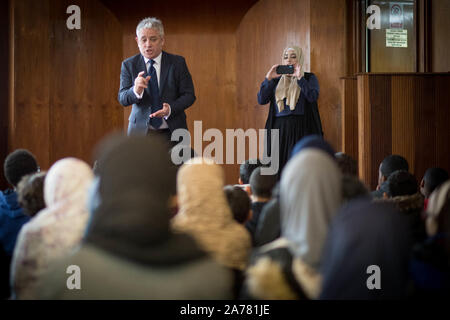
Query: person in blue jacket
point(293, 105)
point(17, 164)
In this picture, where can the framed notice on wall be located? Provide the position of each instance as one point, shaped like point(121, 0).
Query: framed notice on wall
point(397, 38)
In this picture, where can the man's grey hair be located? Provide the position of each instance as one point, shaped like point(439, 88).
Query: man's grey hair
point(150, 23)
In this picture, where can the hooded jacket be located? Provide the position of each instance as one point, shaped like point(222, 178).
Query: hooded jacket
point(12, 219)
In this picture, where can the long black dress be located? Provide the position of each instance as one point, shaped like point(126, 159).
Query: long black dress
point(291, 127)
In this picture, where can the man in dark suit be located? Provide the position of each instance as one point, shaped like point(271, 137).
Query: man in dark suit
point(156, 83)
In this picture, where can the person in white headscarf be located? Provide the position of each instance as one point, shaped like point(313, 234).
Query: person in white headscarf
point(293, 105)
point(56, 230)
point(310, 195)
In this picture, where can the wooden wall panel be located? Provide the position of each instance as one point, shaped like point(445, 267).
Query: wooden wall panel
point(349, 117)
point(403, 118)
point(406, 114)
point(30, 109)
point(328, 62)
point(4, 83)
point(64, 90)
point(440, 26)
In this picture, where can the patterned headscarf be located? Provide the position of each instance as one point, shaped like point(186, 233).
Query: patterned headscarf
point(56, 230)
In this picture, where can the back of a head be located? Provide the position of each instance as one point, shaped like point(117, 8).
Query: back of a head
point(239, 202)
point(313, 141)
point(246, 169)
point(366, 234)
point(262, 184)
point(434, 177)
point(30, 193)
point(401, 183)
point(353, 188)
point(393, 163)
point(18, 164)
point(347, 164)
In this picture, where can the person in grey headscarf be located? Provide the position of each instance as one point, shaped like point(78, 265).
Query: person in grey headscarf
point(310, 195)
point(129, 242)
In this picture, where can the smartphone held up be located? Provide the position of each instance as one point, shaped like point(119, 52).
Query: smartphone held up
point(285, 69)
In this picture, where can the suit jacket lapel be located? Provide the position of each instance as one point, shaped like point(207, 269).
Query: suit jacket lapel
point(165, 64)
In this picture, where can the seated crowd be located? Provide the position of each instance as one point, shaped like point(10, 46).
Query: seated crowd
point(139, 227)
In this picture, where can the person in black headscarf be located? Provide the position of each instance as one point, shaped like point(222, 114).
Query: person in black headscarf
point(367, 252)
point(129, 251)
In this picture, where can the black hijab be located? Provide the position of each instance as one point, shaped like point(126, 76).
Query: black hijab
point(131, 219)
point(365, 234)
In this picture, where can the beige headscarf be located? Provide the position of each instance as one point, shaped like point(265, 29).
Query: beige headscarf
point(204, 213)
point(287, 86)
point(437, 201)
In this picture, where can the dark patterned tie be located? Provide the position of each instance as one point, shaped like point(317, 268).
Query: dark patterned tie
point(155, 98)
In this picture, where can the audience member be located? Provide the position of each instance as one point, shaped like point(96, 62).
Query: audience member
point(432, 179)
point(55, 231)
point(366, 253)
point(239, 202)
point(246, 169)
point(310, 195)
point(430, 265)
point(261, 186)
point(30, 192)
point(353, 188)
point(389, 164)
point(313, 141)
point(268, 227)
point(129, 241)
point(17, 164)
point(348, 165)
point(401, 190)
point(205, 214)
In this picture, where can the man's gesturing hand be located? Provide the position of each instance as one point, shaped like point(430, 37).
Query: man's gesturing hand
point(164, 112)
point(140, 83)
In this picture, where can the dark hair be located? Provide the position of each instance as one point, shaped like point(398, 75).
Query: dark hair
point(353, 188)
point(262, 184)
point(347, 164)
point(246, 169)
point(401, 183)
point(433, 178)
point(393, 163)
point(17, 164)
point(239, 202)
point(30, 193)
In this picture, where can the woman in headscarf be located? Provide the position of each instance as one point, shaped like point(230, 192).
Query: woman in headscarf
point(205, 214)
point(293, 105)
point(430, 266)
point(129, 251)
point(310, 195)
point(56, 230)
point(366, 253)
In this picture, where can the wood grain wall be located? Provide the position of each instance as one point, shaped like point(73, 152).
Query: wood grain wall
point(4, 84)
point(270, 26)
point(440, 29)
point(64, 97)
point(405, 114)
